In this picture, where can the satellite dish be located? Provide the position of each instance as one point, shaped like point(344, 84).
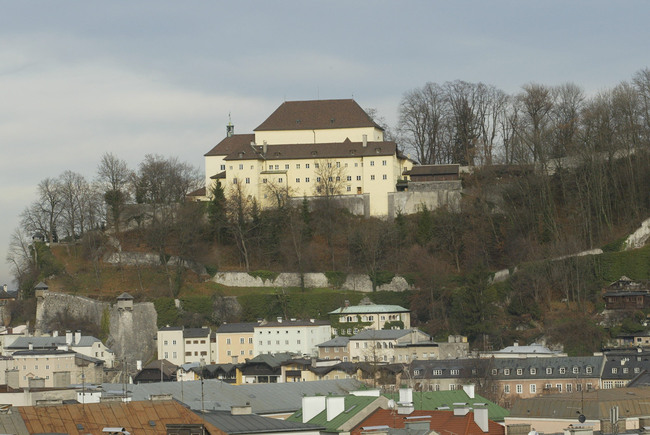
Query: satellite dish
point(391, 404)
point(582, 418)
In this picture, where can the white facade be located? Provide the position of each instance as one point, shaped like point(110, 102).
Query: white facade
point(171, 346)
point(291, 336)
point(185, 345)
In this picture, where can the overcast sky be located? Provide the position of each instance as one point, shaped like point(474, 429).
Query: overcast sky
point(81, 78)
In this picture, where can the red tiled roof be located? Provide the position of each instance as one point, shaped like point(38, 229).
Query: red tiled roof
point(133, 416)
point(441, 421)
point(317, 114)
point(230, 144)
point(317, 151)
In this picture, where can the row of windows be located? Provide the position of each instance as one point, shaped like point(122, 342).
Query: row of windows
point(277, 342)
point(549, 371)
point(625, 370)
point(241, 352)
point(286, 331)
point(532, 388)
point(196, 353)
point(280, 180)
point(190, 342)
point(242, 340)
point(316, 165)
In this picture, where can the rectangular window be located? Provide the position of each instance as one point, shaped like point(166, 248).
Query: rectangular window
point(506, 372)
point(576, 370)
point(165, 342)
point(306, 179)
point(372, 177)
point(316, 165)
point(280, 180)
point(372, 163)
point(264, 180)
point(234, 181)
point(533, 388)
point(558, 387)
point(241, 166)
point(533, 371)
point(250, 340)
point(358, 177)
point(297, 180)
point(248, 180)
point(549, 371)
point(349, 188)
point(569, 388)
point(307, 165)
point(297, 165)
point(223, 167)
point(520, 372)
point(506, 389)
point(384, 177)
point(589, 370)
point(227, 341)
point(520, 389)
point(228, 353)
point(437, 372)
point(383, 162)
point(242, 340)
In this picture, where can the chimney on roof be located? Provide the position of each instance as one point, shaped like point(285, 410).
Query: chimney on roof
point(311, 407)
point(31, 346)
point(241, 410)
point(469, 390)
point(68, 338)
point(405, 404)
point(265, 147)
point(77, 337)
point(481, 416)
point(461, 409)
point(335, 406)
point(55, 333)
point(365, 140)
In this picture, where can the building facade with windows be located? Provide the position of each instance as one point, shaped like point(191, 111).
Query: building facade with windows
point(350, 319)
point(299, 337)
point(180, 345)
point(310, 149)
point(235, 342)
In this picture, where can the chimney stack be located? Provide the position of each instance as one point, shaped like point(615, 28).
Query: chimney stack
point(365, 140)
point(311, 407)
point(469, 390)
point(481, 416)
point(77, 337)
point(68, 338)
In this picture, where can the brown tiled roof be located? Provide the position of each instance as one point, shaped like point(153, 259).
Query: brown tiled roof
point(198, 192)
point(317, 114)
point(317, 151)
point(434, 169)
point(230, 144)
point(135, 417)
point(440, 421)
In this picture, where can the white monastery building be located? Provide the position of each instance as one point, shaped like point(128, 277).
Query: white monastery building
point(310, 149)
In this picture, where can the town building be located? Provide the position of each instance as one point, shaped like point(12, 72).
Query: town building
point(299, 337)
point(622, 366)
point(83, 344)
point(234, 342)
point(350, 319)
point(180, 345)
point(378, 346)
point(52, 368)
point(310, 149)
point(626, 294)
point(336, 348)
point(534, 350)
point(240, 420)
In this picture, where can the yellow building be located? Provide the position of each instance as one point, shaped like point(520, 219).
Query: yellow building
point(235, 342)
point(311, 149)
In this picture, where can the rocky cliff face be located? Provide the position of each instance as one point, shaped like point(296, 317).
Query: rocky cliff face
point(131, 329)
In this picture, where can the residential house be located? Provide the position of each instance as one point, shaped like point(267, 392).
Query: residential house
point(264, 368)
point(378, 346)
point(534, 350)
point(336, 348)
point(150, 417)
point(350, 319)
point(234, 342)
point(631, 340)
point(157, 371)
point(338, 414)
point(432, 400)
point(463, 419)
point(312, 369)
point(83, 344)
point(299, 337)
point(180, 345)
point(307, 147)
point(53, 368)
point(626, 294)
point(553, 413)
point(425, 348)
point(621, 366)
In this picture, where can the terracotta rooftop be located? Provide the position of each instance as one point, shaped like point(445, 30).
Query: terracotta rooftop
point(317, 114)
point(440, 421)
point(145, 417)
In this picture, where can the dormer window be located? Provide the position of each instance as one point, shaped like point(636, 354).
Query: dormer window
point(589, 370)
point(549, 371)
point(520, 372)
point(576, 370)
point(506, 372)
point(562, 370)
point(533, 371)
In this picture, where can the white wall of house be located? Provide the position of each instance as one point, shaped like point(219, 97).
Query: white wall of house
point(171, 346)
point(285, 337)
point(273, 137)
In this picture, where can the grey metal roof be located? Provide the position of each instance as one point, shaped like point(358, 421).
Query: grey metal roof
point(50, 342)
point(594, 404)
point(625, 365)
point(226, 328)
point(369, 309)
point(335, 342)
point(532, 348)
point(196, 332)
point(124, 297)
point(312, 322)
point(13, 424)
point(220, 396)
point(557, 365)
point(380, 334)
point(252, 423)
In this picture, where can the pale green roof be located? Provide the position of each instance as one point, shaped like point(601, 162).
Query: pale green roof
point(353, 405)
point(432, 400)
point(370, 309)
